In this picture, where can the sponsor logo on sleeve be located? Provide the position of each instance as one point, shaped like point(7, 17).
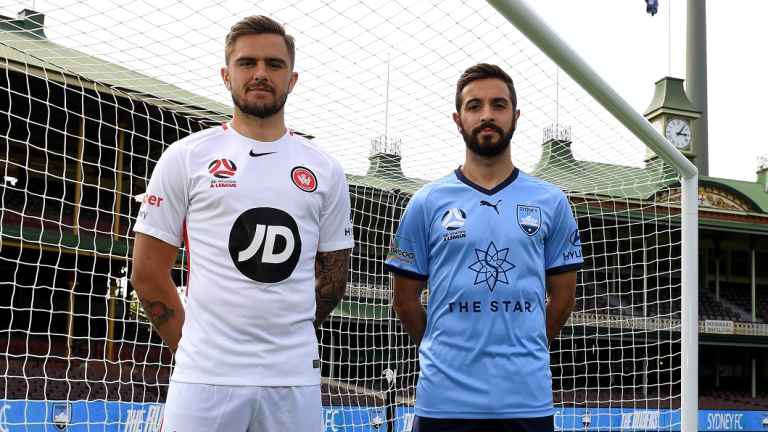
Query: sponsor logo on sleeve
point(575, 238)
point(304, 179)
point(575, 253)
point(152, 200)
point(529, 218)
point(396, 253)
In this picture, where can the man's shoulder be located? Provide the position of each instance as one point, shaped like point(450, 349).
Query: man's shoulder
point(546, 189)
point(435, 187)
point(312, 149)
point(198, 139)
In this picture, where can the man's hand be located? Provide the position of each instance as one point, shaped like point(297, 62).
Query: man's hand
point(407, 304)
point(562, 297)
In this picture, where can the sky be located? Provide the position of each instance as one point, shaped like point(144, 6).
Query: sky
point(631, 49)
point(347, 51)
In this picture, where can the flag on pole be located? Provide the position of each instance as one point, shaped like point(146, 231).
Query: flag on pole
point(652, 6)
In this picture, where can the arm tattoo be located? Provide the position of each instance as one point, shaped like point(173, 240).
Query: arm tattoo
point(157, 312)
point(330, 281)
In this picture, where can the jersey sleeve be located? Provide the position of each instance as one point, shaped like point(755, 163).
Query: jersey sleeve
point(408, 253)
point(562, 247)
point(335, 221)
point(166, 200)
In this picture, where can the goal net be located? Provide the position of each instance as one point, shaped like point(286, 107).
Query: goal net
point(91, 93)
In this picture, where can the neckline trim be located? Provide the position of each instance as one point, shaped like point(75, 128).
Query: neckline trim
point(460, 175)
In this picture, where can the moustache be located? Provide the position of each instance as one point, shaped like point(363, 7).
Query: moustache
point(476, 131)
point(261, 85)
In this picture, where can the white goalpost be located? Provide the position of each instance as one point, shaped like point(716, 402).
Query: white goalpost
point(92, 93)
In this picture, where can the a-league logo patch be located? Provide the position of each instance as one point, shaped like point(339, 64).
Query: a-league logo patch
point(529, 218)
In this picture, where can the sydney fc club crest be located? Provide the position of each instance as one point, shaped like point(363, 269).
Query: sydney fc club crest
point(529, 218)
point(61, 415)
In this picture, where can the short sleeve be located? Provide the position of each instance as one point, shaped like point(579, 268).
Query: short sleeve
point(165, 203)
point(408, 252)
point(335, 221)
point(562, 247)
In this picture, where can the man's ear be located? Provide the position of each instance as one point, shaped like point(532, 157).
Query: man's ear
point(457, 120)
point(225, 77)
point(292, 83)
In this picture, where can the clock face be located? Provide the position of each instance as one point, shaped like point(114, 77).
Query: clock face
point(678, 132)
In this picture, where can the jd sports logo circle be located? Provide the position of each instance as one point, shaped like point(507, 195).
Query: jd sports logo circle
point(265, 244)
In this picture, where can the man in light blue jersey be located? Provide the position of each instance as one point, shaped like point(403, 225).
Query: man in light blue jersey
point(492, 242)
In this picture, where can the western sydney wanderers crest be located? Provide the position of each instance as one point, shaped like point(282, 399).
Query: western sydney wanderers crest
point(529, 218)
point(304, 179)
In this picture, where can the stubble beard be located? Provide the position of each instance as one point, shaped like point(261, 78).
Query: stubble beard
point(260, 110)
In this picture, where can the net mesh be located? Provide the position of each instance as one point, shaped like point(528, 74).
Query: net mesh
point(93, 92)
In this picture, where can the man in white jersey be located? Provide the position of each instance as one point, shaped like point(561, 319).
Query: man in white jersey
point(264, 215)
point(492, 241)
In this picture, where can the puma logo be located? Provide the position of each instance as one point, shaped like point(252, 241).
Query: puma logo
point(486, 203)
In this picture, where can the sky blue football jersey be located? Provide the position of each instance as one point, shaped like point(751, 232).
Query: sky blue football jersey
point(486, 254)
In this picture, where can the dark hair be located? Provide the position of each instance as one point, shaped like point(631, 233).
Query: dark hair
point(484, 71)
point(257, 24)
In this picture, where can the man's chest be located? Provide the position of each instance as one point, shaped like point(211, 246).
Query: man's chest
point(230, 183)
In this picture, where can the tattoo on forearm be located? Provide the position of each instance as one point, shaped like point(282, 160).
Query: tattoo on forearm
point(157, 312)
point(331, 281)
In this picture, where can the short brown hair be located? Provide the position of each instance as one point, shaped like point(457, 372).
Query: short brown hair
point(484, 71)
point(258, 24)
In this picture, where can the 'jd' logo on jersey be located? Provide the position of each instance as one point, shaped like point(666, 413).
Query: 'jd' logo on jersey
point(265, 244)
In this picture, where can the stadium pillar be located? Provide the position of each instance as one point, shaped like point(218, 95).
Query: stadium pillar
point(645, 289)
point(113, 289)
point(537, 31)
point(117, 207)
point(754, 376)
point(79, 178)
point(753, 282)
point(717, 278)
point(696, 77)
point(71, 311)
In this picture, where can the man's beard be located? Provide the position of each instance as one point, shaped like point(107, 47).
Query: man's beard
point(260, 110)
point(488, 149)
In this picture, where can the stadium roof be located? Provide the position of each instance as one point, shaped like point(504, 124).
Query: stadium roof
point(25, 48)
point(754, 191)
point(385, 173)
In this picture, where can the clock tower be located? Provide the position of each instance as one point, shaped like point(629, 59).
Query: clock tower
point(672, 114)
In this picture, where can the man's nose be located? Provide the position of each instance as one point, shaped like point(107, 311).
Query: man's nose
point(260, 70)
point(486, 115)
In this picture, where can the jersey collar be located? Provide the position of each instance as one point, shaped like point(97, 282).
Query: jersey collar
point(498, 187)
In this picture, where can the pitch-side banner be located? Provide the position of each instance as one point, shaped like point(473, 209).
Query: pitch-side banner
point(81, 416)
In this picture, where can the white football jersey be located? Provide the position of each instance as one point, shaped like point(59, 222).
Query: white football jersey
point(252, 215)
